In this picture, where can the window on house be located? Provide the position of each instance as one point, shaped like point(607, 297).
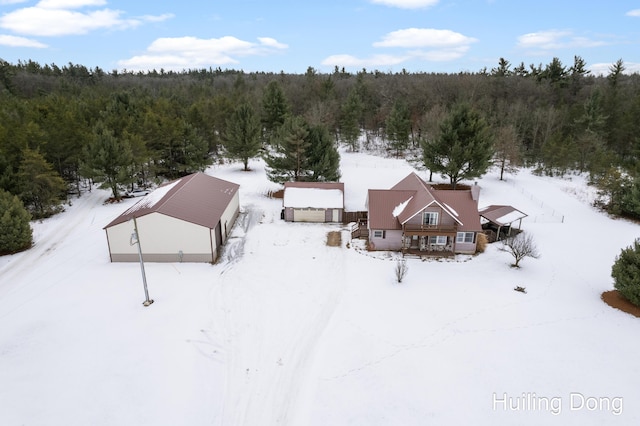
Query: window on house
point(430, 218)
point(465, 237)
point(438, 240)
point(379, 234)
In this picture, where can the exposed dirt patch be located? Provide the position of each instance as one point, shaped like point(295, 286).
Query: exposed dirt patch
point(334, 239)
point(615, 300)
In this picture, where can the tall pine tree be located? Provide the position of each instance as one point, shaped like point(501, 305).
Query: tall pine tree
point(41, 188)
point(287, 160)
point(324, 159)
point(399, 127)
point(242, 136)
point(107, 159)
point(275, 109)
point(463, 149)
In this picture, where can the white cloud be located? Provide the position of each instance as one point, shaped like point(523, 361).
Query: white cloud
point(271, 42)
point(371, 62)
point(441, 55)
point(69, 4)
point(635, 12)
point(157, 18)
point(56, 22)
point(424, 37)
point(407, 4)
point(14, 41)
point(555, 39)
point(179, 53)
point(58, 18)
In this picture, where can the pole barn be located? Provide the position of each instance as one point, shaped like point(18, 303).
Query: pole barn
point(186, 220)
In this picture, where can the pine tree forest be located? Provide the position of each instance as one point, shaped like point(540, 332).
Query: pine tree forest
point(73, 126)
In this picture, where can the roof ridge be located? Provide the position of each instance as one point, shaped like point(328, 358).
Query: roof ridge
point(164, 200)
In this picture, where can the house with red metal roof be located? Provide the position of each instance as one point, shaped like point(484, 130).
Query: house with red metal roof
point(415, 217)
point(186, 220)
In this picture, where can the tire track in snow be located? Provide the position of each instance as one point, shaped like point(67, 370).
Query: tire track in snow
point(69, 224)
point(271, 328)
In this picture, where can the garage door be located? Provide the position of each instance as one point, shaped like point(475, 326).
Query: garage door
point(308, 215)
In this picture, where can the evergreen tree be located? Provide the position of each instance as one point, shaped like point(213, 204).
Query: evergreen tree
point(590, 132)
point(558, 154)
point(463, 149)
point(107, 160)
point(398, 127)
point(41, 187)
point(323, 157)
point(288, 160)
point(187, 152)
point(503, 69)
point(275, 109)
point(15, 230)
point(626, 273)
point(351, 111)
point(242, 137)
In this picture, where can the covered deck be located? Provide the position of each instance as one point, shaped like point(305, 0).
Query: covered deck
point(429, 240)
point(498, 221)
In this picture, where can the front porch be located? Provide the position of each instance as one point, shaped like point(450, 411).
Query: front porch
point(437, 243)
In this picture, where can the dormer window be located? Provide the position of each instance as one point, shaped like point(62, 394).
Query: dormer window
point(430, 218)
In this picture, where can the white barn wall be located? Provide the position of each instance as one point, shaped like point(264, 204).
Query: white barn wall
point(162, 238)
point(229, 217)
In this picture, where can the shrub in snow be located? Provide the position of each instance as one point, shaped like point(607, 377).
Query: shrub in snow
point(15, 229)
point(481, 242)
point(626, 273)
point(401, 269)
point(520, 246)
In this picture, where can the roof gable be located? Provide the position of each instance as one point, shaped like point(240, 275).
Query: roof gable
point(197, 198)
point(382, 203)
point(417, 195)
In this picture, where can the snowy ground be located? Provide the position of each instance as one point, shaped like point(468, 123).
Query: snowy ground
point(286, 330)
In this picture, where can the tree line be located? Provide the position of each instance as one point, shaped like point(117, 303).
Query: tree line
point(61, 126)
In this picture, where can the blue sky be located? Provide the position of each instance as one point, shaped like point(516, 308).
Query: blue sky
point(285, 35)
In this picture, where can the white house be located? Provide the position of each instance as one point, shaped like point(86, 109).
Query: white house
point(186, 220)
point(313, 201)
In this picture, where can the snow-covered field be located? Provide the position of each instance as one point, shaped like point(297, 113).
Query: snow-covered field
point(285, 330)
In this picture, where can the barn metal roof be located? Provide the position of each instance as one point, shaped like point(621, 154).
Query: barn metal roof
point(197, 198)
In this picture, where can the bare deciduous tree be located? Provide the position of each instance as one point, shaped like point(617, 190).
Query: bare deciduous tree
point(520, 246)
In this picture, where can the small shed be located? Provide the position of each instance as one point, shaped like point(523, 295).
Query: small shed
point(313, 201)
point(186, 220)
point(501, 218)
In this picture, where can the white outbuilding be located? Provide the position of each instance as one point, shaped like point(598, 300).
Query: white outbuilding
point(313, 201)
point(186, 220)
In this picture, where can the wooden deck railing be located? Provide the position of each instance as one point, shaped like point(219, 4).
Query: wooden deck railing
point(430, 228)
